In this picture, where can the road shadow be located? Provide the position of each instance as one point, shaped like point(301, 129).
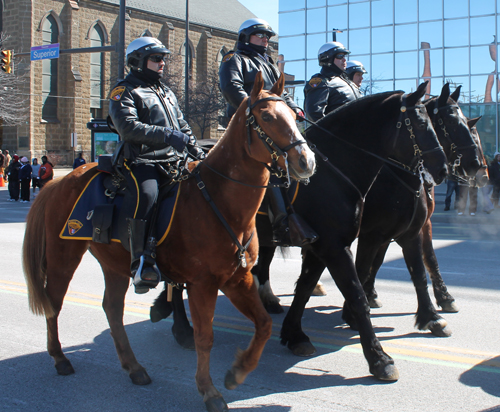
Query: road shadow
point(480, 376)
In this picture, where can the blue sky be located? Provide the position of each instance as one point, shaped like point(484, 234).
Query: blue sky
point(264, 9)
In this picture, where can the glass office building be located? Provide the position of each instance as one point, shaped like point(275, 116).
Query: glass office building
point(402, 43)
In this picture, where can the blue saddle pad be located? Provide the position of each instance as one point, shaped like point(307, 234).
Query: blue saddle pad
point(79, 223)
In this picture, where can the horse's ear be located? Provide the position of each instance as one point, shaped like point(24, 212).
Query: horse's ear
point(279, 86)
point(414, 97)
point(443, 97)
point(472, 122)
point(456, 94)
point(257, 87)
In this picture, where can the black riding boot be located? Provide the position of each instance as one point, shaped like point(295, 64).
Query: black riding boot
point(143, 265)
point(288, 230)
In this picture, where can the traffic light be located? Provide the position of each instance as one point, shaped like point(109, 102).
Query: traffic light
point(6, 61)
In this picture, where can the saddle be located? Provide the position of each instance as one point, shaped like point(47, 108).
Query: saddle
point(110, 198)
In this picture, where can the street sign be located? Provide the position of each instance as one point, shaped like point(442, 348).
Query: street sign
point(47, 51)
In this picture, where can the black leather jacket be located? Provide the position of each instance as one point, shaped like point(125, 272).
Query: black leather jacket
point(142, 114)
point(237, 75)
point(327, 90)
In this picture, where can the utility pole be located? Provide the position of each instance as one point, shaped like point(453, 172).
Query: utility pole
point(186, 71)
point(121, 41)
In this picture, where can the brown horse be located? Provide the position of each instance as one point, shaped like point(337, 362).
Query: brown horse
point(197, 252)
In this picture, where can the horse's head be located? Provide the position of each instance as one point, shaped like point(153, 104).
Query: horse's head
point(416, 122)
point(482, 173)
point(272, 134)
point(453, 132)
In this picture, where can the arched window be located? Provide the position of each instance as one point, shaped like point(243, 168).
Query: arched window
point(190, 58)
point(96, 72)
point(50, 35)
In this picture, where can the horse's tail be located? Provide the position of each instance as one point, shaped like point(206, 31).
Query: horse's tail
point(34, 257)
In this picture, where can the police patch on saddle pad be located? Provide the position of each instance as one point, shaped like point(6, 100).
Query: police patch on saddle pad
point(315, 81)
point(79, 226)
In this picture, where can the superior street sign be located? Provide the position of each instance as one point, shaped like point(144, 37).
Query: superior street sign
point(47, 51)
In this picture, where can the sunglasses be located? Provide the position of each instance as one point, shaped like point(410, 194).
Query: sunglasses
point(340, 56)
point(157, 58)
point(262, 35)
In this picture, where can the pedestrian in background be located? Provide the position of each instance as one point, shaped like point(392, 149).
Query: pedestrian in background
point(2, 168)
point(25, 179)
point(451, 187)
point(79, 161)
point(6, 164)
point(46, 172)
point(13, 171)
point(494, 174)
point(35, 168)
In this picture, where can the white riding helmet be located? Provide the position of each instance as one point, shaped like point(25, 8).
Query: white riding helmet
point(252, 26)
point(353, 66)
point(139, 49)
point(327, 52)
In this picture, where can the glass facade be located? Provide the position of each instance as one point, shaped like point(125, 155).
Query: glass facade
point(402, 43)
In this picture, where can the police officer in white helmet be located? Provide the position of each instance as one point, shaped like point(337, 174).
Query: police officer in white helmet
point(355, 71)
point(331, 87)
point(237, 75)
point(146, 115)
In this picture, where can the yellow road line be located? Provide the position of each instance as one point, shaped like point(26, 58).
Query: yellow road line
point(321, 338)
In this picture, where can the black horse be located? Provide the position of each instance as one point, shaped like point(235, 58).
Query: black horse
point(364, 132)
point(397, 207)
point(443, 298)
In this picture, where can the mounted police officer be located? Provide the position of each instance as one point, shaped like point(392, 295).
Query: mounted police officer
point(146, 115)
point(331, 87)
point(355, 71)
point(237, 76)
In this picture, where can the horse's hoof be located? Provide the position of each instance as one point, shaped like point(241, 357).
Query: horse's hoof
point(319, 290)
point(274, 308)
point(302, 349)
point(439, 328)
point(140, 378)
point(387, 372)
point(186, 340)
point(216, 405)
point(230, 381)
point(157, 314)
point(65, 368)
point(375, 303)
point(449, 306)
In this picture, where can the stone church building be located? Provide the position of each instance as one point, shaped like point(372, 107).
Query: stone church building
point(68, 96)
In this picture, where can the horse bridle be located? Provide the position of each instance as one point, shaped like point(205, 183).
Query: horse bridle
point(275, 151)
point(455, 150)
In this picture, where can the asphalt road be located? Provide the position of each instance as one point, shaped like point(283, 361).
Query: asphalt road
point(459, 373)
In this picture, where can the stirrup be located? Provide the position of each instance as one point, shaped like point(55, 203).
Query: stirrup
point(143, 285)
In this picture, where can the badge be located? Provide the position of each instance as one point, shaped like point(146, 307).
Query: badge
point(227, 57)
point(315, 81)
point(74, 226)
point(117, 93)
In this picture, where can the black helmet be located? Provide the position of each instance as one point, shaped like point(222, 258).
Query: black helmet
point(252, 26)
point(354, 66)
point(139, 49)
point(327, 52)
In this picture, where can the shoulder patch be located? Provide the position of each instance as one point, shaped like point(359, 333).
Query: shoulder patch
point(315, 81)
point(117, 93)
point(227, 57)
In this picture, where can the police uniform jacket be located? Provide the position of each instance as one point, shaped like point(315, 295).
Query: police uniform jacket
point(327, 90)
point(237, 75)
point(141, 112)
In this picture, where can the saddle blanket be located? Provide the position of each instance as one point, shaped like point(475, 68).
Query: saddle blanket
point(78, 226)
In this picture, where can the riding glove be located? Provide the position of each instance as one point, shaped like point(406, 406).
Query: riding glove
point(176, 139)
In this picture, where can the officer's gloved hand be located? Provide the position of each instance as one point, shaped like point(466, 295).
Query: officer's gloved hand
point(176, 139)
point(300, 115)
point(196, 151)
